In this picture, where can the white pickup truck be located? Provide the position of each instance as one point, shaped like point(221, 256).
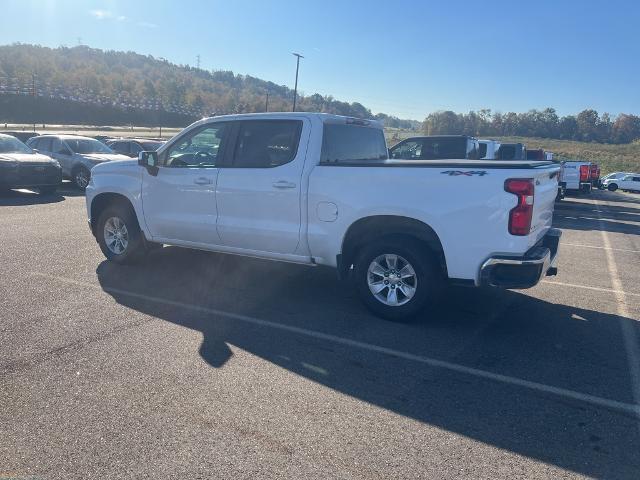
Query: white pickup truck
point(319, 189)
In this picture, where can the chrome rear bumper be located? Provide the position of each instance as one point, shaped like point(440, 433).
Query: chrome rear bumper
point(506, 271)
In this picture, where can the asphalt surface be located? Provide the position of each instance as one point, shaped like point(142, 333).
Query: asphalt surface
point(197, 365)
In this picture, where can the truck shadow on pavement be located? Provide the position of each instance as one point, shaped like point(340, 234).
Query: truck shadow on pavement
point(587, 216)
point(16, 198)
point(503, 332)
point(23, 197)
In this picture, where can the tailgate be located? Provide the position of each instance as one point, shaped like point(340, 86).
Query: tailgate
point(546, 189)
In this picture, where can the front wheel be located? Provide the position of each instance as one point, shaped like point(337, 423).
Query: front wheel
point(396, 278)
point(81, 177)
point(119, 235)
point(612, 187)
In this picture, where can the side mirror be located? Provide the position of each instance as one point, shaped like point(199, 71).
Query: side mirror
point(148, 159)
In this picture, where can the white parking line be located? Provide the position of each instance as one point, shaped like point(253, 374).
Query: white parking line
point(600, 248)
point(628, 332)
point(432, 362)
point(587, 287)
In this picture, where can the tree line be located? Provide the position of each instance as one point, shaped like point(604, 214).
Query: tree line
point(586, 126)
point(132, 81)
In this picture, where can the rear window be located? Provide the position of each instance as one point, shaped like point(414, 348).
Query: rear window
point(345, 143)
point(445, 148)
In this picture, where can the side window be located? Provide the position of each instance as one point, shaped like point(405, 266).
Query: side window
point(266, 143)
point(58, 147)
point(482, 150)
point(135, 148)
point(473, 150)
point(636, 179)
point(45, 144)
point(409, 150)
point(199, 149)
point(119, 147)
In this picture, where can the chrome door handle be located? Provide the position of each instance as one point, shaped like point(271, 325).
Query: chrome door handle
point(203, 181)
point(284, 184)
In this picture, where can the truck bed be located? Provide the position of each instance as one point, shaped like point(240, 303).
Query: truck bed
point(506, 164)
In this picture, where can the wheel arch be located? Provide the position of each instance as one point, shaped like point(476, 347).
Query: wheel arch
point(374, 227)
point(107, 199)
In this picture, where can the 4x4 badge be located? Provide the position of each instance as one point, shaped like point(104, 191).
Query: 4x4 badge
point(468, 173)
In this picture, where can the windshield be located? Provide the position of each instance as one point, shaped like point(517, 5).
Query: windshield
point(87, 145)
point(13, 145)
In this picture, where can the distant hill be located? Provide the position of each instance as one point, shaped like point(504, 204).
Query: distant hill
point(87, 85)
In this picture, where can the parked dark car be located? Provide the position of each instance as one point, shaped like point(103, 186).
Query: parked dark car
point(22, 136)
point(131, 147)
point(104, 138)
point(512, 151)
point(22, 167)
point(436, 147)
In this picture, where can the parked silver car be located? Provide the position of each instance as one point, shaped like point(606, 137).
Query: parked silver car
point(77, 155)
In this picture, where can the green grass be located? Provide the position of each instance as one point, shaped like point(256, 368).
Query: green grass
point(611, 158)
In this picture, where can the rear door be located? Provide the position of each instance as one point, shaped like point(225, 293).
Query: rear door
point(259, 189)
point(631, 182)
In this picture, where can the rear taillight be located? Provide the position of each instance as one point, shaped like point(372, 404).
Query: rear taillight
point(520, 216)
point(584, 173)
point(594, 172)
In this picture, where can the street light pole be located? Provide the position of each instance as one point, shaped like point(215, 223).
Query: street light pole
point(295, 90)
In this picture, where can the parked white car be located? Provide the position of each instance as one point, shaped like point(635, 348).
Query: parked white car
point(318, 189)
point(623, 181)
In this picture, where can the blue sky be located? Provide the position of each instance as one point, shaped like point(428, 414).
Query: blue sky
point(405, 58)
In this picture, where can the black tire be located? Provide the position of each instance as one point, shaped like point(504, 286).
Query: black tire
point(80, 177)
point(135, 249)
point(48, 190)
point(612, 187)
point(429, 278)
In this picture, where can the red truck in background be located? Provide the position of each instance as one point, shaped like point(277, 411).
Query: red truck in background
point(594, 175)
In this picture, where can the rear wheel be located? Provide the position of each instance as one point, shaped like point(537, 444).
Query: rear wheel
point(81, 177)
point(612, 187)
point(119, 235)
point(396, 278)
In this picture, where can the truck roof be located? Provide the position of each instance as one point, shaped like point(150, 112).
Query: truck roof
point(324, 117)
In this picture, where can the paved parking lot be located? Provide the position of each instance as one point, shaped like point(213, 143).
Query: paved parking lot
point(196, 365)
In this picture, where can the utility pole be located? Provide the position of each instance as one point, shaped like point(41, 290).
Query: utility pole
point(33, 92)
point(198, 61)
point(295, 90)
point(266, 104)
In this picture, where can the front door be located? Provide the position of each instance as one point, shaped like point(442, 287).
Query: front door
point(63, 155)
point(259, 190)
point(179, 202)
